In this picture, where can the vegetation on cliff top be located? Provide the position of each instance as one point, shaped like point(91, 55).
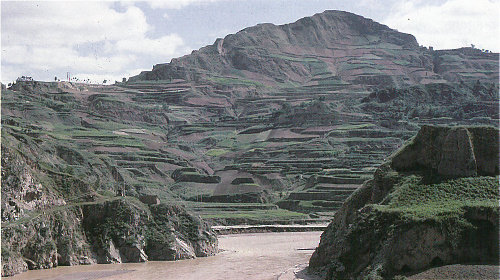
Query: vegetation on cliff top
point(419, 210)
point(417, 199)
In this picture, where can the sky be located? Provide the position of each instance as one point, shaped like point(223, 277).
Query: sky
point(106, 40)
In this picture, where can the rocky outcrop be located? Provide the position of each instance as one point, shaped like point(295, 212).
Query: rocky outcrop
point(43, 228)
point(193, 238)
point(125, 232)
point(458, 159)
point(149, 199)
point(49, 239)
point(452, 152)
point(426, 207)
point(118, 231)
point(24, 193)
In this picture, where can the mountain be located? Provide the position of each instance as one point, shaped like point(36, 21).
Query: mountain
point(273, 124)
point(331, 47)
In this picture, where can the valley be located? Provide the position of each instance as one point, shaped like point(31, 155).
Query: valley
point(273, 125)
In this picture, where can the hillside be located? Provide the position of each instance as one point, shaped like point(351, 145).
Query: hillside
point(307, 133)
point(434, 203)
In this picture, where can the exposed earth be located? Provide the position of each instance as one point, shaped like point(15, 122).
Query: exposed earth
point(459, 272)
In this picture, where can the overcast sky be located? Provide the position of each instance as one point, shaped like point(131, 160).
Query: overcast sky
point(110, 40)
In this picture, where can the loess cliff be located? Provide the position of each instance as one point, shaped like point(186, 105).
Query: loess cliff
point(435, 202)
point(52, 218)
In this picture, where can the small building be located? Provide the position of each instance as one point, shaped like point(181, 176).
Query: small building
point(24, 79)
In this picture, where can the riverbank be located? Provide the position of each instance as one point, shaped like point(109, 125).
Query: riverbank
point(239, 229)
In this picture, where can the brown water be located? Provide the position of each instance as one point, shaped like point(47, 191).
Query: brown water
point(256, 256)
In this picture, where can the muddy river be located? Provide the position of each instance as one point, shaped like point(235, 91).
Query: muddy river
point(253, 256)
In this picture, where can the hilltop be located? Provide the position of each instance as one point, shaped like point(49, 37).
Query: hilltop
point(337, 48)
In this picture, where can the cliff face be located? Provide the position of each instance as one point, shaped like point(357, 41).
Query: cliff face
point(434, 203)
point(451, 152)
point(52, 218)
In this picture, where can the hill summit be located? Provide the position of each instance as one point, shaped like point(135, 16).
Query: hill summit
point(333, 47)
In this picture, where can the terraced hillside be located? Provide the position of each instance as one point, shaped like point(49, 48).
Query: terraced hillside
point(273, 124)
point(331, 50)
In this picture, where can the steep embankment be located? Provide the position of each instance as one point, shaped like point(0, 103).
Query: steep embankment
point(52, 218)
point(434, 203)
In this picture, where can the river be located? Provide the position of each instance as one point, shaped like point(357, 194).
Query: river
point(255, 256)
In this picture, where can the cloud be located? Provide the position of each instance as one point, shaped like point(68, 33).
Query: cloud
point(58, 57)
point(61, 23)
point(177, 4)
point(452, 24)
point(110, 78)
point(164, 46)
point(79, 37)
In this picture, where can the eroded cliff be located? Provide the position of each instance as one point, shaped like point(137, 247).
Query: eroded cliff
point(52, 218)
point(434, 203)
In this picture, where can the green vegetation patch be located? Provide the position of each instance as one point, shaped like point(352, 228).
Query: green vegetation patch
point(401, 62)
point(332, 82)
point(296, 59)
point(231, 81)
point(418, 200)
point(216, 152)
point(257, 214)
point(354, 126)
point(318, 67)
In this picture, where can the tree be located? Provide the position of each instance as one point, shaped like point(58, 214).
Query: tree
point(55, 78)
point(104, 81)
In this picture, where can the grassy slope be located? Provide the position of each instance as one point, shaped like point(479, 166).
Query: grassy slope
point(418, 200)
